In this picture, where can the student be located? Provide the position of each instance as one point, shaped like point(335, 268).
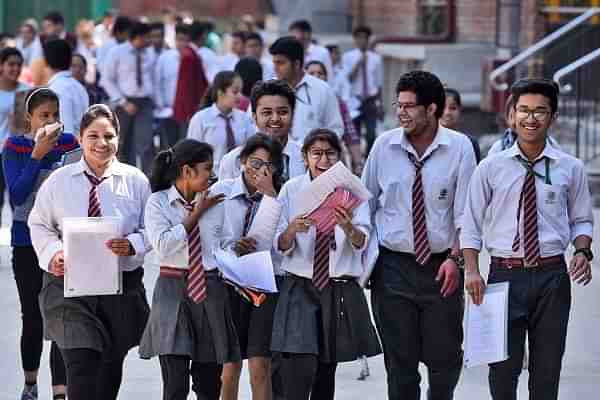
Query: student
point(538, 201)
point(221, 124)
point(509, 136)
point(273, 104)
point(261, 159)
point(350, 137)
point(322, 316)
point(74, 99)
point(190, 327)
point(418, 175)
point(166, 76)
point(451, 117)
point(317, 106)
point(302, 30)
point(250, 70)
point(96, 94)
point(128, 78)
point(364, 68)
point(11, 64)
point(255, 48)
point(199, 31)
point(238, 51)
point(94, 333)
point(27, 162)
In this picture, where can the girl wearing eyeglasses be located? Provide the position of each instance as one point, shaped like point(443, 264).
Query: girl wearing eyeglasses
point(322, 316)
point(262, 166)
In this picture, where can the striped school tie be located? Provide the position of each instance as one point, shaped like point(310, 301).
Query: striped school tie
point(196, 285)
point(94, 209)
point(421, 241)
point(229, 130)
point(323, 243)
point(528, 201)
point(252, 202)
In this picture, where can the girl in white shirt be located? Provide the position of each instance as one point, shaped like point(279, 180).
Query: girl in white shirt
point(322, 316)
point(220, 123)
point(94, 333)
point(262, 166)
point(190, 327)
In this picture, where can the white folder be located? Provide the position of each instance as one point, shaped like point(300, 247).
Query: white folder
point(91, 268)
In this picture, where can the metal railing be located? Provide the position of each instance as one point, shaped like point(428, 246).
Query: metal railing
point(537, 47)
point(579, 105)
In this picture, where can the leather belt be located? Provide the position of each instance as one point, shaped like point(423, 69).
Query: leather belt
point(170, 272)
point(510, 263)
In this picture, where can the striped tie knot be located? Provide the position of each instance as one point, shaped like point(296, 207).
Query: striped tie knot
point(94, 209)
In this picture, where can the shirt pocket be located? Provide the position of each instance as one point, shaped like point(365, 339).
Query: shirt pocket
point(440, 193)
point(553, 199)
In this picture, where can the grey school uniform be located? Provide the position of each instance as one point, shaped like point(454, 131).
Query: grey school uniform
point(333, 324)
point(204, 331)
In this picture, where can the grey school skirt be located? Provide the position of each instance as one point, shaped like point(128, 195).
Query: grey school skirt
point(203, 332)
point(334, 324)
point(110, 324)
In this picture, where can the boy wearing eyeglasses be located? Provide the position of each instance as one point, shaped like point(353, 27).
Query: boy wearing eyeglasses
point(418, 174)
point(538, 201)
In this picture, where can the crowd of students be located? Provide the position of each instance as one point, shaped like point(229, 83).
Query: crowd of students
point(422, 230)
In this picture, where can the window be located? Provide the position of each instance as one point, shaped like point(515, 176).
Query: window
point(433, 17)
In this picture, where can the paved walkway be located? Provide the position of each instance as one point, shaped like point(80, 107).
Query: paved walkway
point(580, 380)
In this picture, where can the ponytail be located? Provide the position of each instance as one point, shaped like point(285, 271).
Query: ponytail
point(167, 164)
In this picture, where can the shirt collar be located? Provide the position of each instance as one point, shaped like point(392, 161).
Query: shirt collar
point(304, 81)
point(548, 151)
point(442, 138)
point(173, 196)
point(59, 75)
point(216, 112)
point(239, 188)
point(116, 168)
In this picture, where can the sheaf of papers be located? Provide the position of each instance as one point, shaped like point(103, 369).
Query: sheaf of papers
point(253, 271)
point(486, 327)
point(91, 269)
point(325, 214)
point(337, 176)
point(264, 223)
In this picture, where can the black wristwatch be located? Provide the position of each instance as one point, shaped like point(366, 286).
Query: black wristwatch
point(587, 253)
point(458, 260)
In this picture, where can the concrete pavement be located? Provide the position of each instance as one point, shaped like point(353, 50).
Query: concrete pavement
point(580, 378)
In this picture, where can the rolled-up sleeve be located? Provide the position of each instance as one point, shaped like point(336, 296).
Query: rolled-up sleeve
point(477, 200)
point(165, 238)
point(465, 172)
point(581, 217)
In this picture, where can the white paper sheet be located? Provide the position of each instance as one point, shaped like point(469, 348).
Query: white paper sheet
point(264, 224)
point(314, 194)
point(91, 269)
point(486, 327)
point(254, 271)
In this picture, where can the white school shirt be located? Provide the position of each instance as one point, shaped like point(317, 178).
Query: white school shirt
point(374, 72)
point(498, 144)
point(166, 73)
point(268, 69)
point(119, 73)
point(564, 207)
point(164, 226)
point(207, 126)
point(229, 61)
point(66, 194)
point(73, 100)
point(319, 53)
point(231, 164)
point(389, 175)
point(210, 62)
point(316, 107)
point(345, 260)
point(235, 207)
